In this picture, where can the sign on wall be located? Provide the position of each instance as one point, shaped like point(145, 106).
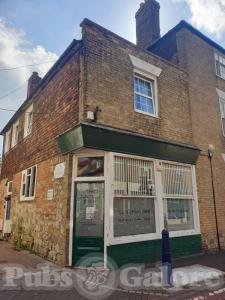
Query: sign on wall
point(50, 194)
point(59, 171)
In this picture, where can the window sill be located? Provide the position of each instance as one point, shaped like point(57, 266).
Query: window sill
point(28, 199)
point(220, 77)
point(14, 146)
point(147, 114)
point(26, 136)
point(150, 237)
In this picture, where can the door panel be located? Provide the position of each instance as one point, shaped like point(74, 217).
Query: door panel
point(89, 219)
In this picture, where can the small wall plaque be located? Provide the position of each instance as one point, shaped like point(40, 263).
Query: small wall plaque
point(59, 171)
point(50, 194)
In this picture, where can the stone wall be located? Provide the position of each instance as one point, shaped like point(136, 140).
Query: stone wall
point(42, 225)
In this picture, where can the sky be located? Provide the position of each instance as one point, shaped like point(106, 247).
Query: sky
point(38, 31)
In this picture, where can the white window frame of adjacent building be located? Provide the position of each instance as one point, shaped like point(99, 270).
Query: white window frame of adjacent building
point(28, 124)
point(7, 143)
point(221, 95)
point(148, 74)
point(15, 133)
point(159, 209)
point(28, 184)
point(222, 111)
point(220, 65)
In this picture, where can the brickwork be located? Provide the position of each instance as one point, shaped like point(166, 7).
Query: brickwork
point(56, 109)
point(42, 225)
point(197, 57)
point(99, 74)
point(110, 86)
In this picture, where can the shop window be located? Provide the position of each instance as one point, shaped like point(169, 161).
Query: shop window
point(134, 197)
point(177, 197)
point(90, 167)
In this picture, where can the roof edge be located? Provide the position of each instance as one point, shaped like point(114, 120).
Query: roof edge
point(50, 74)
point(90, 23)
point(183, 24)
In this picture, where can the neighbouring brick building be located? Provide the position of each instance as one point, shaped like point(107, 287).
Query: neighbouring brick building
point(204, 61)
point(101, 156)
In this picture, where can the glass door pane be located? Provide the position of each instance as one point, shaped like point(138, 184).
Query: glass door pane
point(89, 209)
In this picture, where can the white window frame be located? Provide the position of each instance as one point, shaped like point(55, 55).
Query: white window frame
point(15, 134)
point(76, 179)
point(28, 127)
point(159, 213)
point(7, 142)
point(152, 83)
point(88, 178)
point(192, 197)
point(221, 95)
point(8, 192)
point(137, 237)
point(108, 178)
point(221, 60)
point(150, 73)
point(23, 181)
point(222, 113)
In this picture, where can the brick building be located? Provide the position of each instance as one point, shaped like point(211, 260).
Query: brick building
point(102, 154)
point(204, 60)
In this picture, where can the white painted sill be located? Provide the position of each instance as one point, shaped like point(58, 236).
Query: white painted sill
point(150, 237)
point(27, 199)
point(147, 114)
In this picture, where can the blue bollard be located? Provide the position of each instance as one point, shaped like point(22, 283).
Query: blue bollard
point(166, 259)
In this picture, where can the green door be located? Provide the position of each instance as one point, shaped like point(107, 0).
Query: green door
point(88, 219)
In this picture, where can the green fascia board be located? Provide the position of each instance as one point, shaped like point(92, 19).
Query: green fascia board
point(115, 140)
point(71, 140)
point(151, 251)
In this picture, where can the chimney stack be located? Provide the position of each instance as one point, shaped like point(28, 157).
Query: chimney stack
point(147, 23)
point(33, 82)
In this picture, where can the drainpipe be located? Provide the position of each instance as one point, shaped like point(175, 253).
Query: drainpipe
point(211, 151)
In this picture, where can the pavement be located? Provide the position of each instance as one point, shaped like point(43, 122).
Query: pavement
point(31, 264)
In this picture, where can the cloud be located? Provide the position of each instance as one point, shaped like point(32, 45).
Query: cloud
point(208, 15)
point(16, 50)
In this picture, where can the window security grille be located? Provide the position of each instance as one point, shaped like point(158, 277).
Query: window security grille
point(177, 180)
point(178, 197)
point(134, 177)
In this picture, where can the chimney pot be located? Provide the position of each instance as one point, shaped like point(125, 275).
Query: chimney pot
point(147, 23)
point(33, 82)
